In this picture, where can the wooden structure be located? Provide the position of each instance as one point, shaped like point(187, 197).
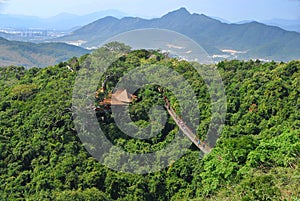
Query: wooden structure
point(203, 146)
point(119, 98)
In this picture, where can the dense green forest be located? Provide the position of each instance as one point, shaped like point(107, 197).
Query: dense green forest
point(255, 158)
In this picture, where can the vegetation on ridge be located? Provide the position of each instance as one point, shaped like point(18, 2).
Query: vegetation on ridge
point(256, 157)
point(36, 55)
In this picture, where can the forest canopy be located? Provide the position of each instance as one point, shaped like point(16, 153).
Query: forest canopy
point(255, 158)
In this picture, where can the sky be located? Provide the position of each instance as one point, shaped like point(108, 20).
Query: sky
point(232, 10)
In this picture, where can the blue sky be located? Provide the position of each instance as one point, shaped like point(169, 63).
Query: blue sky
point(233, 10)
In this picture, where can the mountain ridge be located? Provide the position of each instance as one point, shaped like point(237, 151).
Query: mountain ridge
point(24, 21)
point(62, 21)
point(254, 39)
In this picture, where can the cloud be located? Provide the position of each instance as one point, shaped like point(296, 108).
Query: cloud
point(2, 4)
point(3, 1)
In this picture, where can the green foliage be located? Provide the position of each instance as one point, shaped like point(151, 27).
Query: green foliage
point(256, 157)
point(92, 194)
point(23, 91)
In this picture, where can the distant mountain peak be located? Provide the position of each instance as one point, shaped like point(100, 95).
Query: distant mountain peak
point(106, 19)
point(182, 12)
point(245, 41)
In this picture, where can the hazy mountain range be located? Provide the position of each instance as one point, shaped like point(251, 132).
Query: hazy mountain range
point(290, 25)
point(67, 21)
point(221, 40)
point(63, 21)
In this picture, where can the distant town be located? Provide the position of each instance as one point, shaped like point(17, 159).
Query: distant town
point(30, 35)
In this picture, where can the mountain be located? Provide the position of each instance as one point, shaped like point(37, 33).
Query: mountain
point(63, 21)
point(221, 19)
point(66, 21)
point(221, 40)
point(243, 22)
point(290, 25)
point(286, 24)
point(39, 55)
point(20, 21)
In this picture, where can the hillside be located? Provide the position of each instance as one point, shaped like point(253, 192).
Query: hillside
point(36, 55)
point(221, 40)
point(256, 157)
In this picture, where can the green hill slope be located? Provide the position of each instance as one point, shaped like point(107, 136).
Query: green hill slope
point(256, 158)
point(36, 55)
